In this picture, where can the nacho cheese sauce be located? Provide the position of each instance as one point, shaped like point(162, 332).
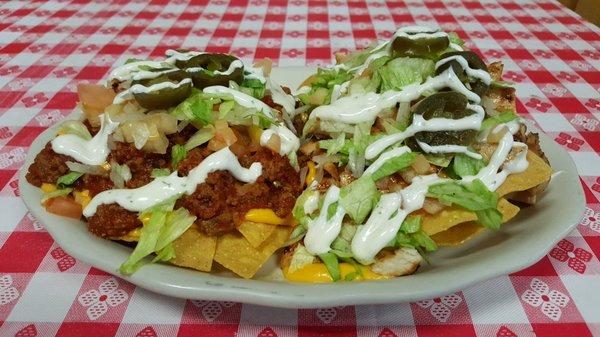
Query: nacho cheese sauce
point(289, 141)
point(163, 188)
point(89, 152)
point(321, 231)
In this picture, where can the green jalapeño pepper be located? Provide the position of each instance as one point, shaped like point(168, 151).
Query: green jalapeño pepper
point(427, 47)
point(474, 62)
point(450, 105)
point(165, 96)
point(213, 69)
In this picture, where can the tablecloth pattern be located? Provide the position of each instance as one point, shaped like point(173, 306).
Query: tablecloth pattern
point(47, 47)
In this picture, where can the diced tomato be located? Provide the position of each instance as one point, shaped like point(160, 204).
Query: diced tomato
point(64, 206)
point(94, 99)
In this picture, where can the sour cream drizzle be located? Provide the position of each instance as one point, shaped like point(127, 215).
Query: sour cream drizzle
point(289, 141)
point(232, 67)
point(139, 89)
point(380, 228)
point(281, 97)
point(89, 152)
point(472, 122)
point(360, 108)
point(163, 188)
point(479, 74)
point(322, 231)
point(393, 153)
point(448, 148)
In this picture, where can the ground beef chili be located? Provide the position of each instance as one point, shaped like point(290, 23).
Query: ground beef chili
point(47, 167)
point(140, 163)
point(94, 184)
point(221, 201)
point(112, 221)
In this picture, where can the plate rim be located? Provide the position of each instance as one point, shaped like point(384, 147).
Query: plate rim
point(294, 295)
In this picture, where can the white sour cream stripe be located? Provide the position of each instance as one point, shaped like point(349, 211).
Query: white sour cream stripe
point(360, 108)
point(380, 228)
point(163, 188)
point(448, 148)
point(489, 175)
point(232, 67)
point(289, 141)
point(472, 122)
point(139, 89)
point(127, 71)
point(393, 153)
point(419, 32)
point(281, 97)
point(321, 231)
point(479, 74)
point(89, 152)
point(174, 55)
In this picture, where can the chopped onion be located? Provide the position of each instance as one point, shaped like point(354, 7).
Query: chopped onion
point(421, 165)
point(408, 175)
point(139, 134)
point(157, 144)
point(403, 114)
point(323, 159)
point(75, 128)
point(274, 143)
point(164, 122)
point(119, 174)
point(309, 147)
point(83, 168)
point(303, 173)
point(202, 136)
point(356, 164)
point(224, 133)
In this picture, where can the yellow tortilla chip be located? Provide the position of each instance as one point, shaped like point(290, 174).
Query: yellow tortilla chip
point(255, 232)
point(458, 234)
point(536, 173)
point(454, 215)
point(235, 253)
point(194, 249)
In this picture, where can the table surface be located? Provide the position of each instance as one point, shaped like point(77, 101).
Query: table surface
point(46, 48)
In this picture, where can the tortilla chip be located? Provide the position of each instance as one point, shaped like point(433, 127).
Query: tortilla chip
point(454, 215)
point(457, 234)
point(235, 253)
point(255, 232)
point(536, 173)
point(194, 249)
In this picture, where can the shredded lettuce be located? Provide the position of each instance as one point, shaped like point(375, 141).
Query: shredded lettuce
point(503, 117)
point(322, 86)
point(156, 236)
point(296, 235)
point(473, 196)
point(75, 128)
point(359, 197)
point(196, 109)
point(404, 71)
point(502, 84)
point(68, 179)
point(441, 160)
point(341, 246)
point(61, 192)
point(298, 210)
point(333, 266)
point(178, 153)
point(160, 173)
point(200, 137)
point(411, 235)
point(253, 87)
point(463, 165)
point(119, 174)
point(300, 258)
point(454, 38)
point(176, 223)
point(394, 165)
point(337, 145)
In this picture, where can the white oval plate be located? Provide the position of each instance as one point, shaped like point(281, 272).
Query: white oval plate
point(518, 244)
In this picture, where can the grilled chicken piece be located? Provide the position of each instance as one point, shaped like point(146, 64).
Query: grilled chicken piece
point(403, 261)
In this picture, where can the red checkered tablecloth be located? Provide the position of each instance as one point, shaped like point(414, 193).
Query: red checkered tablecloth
point(46, 47)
